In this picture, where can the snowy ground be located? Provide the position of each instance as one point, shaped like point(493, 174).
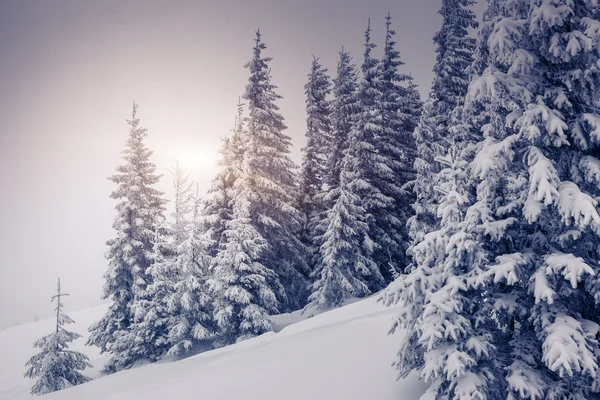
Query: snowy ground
point(341, 354)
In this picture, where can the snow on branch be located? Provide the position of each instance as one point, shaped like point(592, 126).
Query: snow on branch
point(572, 268)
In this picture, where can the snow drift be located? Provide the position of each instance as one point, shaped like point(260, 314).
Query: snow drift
point(341, 354)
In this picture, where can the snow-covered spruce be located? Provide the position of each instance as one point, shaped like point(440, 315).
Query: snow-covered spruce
point(56, 367)
point(346, 268)
point(343, 111)
point(183, 203)
point(271, 184)
point(454, 48)
point(315, 156)
point(449, 328)
point(344, 107)
point(245, 290)
point(533, 218)
point(343, 261)
point(217, 209)
point(189, 307)
point(400, 104)
point(140, 210)
point(367, 167)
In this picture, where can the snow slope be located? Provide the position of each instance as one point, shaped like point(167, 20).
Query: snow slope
point(341, 354)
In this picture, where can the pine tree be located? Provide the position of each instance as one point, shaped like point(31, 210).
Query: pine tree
point(245, 290)
point(182, 202)
point(146, 340)
point(190, 305)
point(315, 154)
point(347, 268)
point(334, 282)
point(533, 219)
point(271, 181)
point(454, 49)
point(367, 165)
point(344, 108)
point(56, 367)
point(140, 210)
point(448, 327)
point(218, 210)
point(400, 104)
point(344, 263)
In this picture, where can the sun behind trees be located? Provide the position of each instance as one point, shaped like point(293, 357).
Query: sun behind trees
point(267, 236)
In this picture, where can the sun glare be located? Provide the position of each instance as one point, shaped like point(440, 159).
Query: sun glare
point(198, 159)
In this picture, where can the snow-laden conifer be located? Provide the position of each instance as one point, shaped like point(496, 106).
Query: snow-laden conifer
point(400, 104)
point(140, 210)
point(347, 268)
point(183, 204)
point(246, 291)
point(315, 154)
point(217, 209)
point(449, 328)
point(367, 165)
point(190, 305)
point(344, 107)
point(335, 281)
point(146, 340)
point(532, 216)
point(454, 48)
point(344, 265)
point(56, 367)
point(271, 183)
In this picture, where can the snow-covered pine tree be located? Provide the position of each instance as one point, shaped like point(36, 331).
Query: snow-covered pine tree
point(56, 367)
point(146, 338)
point(334, 281)
point(189, 306)
point(449, 328)
point(140, 210)
point(454, 49)
point(534, 217)
point(183, 204)
point(537, 201)
point(315, 155)
point(271, 179)
point(400, 104)
point(344, 107)
point(346, 267)
point(367, 166)
point(217, 209)
point(344, 262)
point(245, 290)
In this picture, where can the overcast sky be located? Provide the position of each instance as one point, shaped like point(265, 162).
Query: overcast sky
point(69, 71)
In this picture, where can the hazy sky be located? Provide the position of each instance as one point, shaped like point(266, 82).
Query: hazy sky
point(69, 71)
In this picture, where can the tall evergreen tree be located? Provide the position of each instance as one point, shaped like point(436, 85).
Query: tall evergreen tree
point(271, 181)
point(338, 234)
point(400, 105)
point(315, 153)
point(146, 340)
point(189, 306)
point(345, 264)
point(368, 166)
point(347, 268)
point(245, 289)
point(56, 367)
point(182, 203)
point(140, 210)
point(454, 49)
point(218, 209)
point(344, 108)
point(529, 305)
